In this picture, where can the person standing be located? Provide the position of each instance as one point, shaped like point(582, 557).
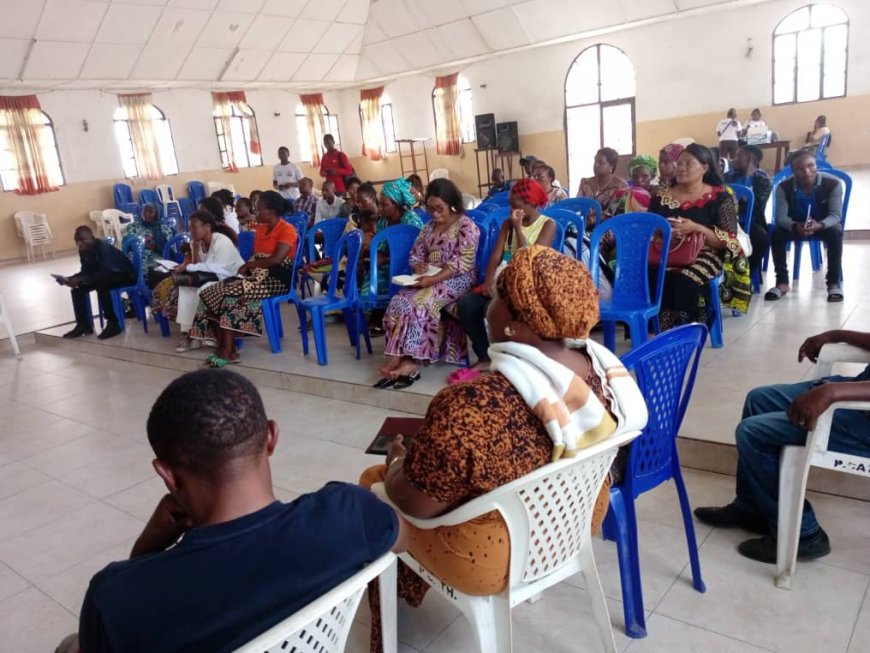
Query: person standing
point(334, 165)
point(104, 268)
point(728, 131)
point(286, 176)
point(756, 130)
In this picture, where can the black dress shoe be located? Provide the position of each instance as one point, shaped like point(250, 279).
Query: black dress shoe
point(763, 549)
point(732, 516)
point(406, 381)
point(112, 329)
point(78, 332)
point(385, 382)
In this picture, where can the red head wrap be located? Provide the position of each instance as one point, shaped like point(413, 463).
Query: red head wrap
point(531, 192)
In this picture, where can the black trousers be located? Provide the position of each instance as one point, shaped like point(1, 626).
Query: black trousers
point(103, 286)
point(760, 242)
point(832, 237)
point(472, 316)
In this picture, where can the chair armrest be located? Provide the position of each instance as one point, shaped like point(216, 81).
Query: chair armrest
point(817, 439)
point(838, 353)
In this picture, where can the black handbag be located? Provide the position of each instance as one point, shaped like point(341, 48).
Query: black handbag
point(195, 279)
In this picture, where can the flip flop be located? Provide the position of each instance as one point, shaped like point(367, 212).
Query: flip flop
point(835, 295)
point(462, 374)
point(219, 363)
point(774, 294)
point(406, 381)
point(211, 358)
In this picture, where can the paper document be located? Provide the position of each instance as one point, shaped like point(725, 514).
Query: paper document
point(165, 264)
point(411, 279)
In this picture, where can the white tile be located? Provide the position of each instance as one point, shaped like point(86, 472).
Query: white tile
point(68, 587)
point(11, 583)
point(16, 477)
point(37, 506)
point(861, 636)
point(31, 622)
point(667, 635)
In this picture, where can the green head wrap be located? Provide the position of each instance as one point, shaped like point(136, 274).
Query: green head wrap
point(643, 160)
point(399, 190)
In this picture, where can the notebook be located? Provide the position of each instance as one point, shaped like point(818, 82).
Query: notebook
point(393, 426)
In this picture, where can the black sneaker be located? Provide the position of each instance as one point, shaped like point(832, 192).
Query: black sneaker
point(112, 329)
point(763, 549)
point(78, 332)
point(732, 516)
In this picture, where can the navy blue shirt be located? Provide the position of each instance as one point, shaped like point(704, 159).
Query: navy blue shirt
point(220, 586)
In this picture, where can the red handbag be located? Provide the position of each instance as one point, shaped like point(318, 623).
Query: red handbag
point(682, 252)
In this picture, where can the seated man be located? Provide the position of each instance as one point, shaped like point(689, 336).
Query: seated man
point(498, 183)
point(221, 560)
point(808, 204)
point(307, 201)
point(777, 416)
point(104, 268)
point(747, 173)
point(329, 206)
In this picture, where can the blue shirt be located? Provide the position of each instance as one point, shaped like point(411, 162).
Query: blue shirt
point(220, 586)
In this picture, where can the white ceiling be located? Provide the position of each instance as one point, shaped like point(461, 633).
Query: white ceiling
point(298, 44)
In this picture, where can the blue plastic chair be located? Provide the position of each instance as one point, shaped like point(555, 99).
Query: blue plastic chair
point(487, 207)
point(246, 245)
point(196, 191)
point(187, 208)
point(299, 222)
point(172, 248)
point(746, 203)
point(400, 239)
point(349, 246)
point(559, 239)
point(665, 369)
point(582, 206)
point(499, 199)
point(631, 301)
point(822, 148)
point(139, 293)
point(332, 231)
point(149, 196)
point(423, 214)
point(573, 224)
point(271, 306)
point(123, 197)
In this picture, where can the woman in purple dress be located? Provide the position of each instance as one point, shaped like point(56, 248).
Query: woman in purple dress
point(414, 329)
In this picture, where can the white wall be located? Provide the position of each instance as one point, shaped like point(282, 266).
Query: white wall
point(686, 66)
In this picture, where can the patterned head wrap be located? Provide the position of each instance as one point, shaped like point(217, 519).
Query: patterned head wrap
point(399, 190)
point(644, 160)
point(673, 150)
point(550, 292)
point(531, 192)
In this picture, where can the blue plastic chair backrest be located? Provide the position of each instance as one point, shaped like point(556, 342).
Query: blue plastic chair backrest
point(582, 206)
point(487, 207)
point(633, 233)
point(822, 147)
point(187, 207)
point(423, 214)
point(745, 203)
point(246, 244)
point(400, 239)
point(485, 245)
point(559, 239)
point(134, 248)
point(332, 231)
point(299, 222)
point(500, 199)
point(476, 214)
point(148, 196)
point(123, 195)
point(349, 246)
point(172, 248)
point(665, 369)
point(196, 191)
point(573, 224)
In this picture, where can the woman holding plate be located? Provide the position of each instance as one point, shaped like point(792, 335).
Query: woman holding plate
point(413, 326)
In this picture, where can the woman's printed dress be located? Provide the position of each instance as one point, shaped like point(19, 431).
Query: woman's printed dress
point(413, 322)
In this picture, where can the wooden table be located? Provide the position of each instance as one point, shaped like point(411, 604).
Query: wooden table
point(781, 151)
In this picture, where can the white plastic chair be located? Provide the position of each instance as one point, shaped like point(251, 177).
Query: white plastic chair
point(439, 173)
point(469, 201)
point(795, 463)
point(96, 217)
point(323, 625)
point(6, 322)
point(548, 515)
point(34, 230)
point(112, 225)
point(165, 193)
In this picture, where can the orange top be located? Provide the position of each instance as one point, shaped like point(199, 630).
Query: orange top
point(266, 242)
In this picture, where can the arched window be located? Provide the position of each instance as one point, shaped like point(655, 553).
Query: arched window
point(330, 123)
point(387, 123)
point(241, 148)
point(156, 137)
point(465, 110)
point(45, 142)
point(599, 107)
point(809, 55)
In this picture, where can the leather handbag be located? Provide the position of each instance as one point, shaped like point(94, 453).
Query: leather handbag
point(682, 252)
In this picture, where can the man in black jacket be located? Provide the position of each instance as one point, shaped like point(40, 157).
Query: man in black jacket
point(104, 268)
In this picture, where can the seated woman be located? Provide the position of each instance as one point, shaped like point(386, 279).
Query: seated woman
point(233, 307)
point(412, 322)
point(604, 185)
point(228, 206)
point(525, 227)
point(214, 258)
point(814, 137)
point(698, 202)
point(642, 169)
point(668, 156)
point(538, 321)
point(396, 206)
point(245, 214)
point(154, 233)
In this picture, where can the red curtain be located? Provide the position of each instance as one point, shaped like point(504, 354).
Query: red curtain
point(27, 136)
point(314, 106)
point(224, 103)
point(446, 103)
point(372, 129)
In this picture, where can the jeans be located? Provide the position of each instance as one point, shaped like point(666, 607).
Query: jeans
point(472, 315)
point(765, 430)
point(760, 243)
point(832, 237)
point(103, 286)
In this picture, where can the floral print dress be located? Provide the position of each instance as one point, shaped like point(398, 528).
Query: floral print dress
point(413, 323)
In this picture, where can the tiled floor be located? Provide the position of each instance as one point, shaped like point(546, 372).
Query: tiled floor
point(76, 486)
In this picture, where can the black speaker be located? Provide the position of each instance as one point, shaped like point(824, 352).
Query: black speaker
point(507, 137)
point(484, 125)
